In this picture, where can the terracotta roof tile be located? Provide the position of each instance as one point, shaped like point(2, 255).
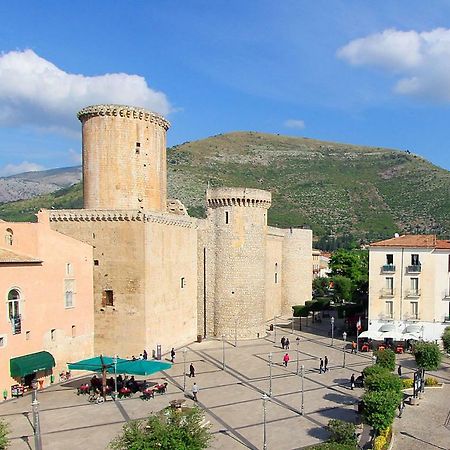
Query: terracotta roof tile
point(442, 244)
point(7, 256)
point(409, 240)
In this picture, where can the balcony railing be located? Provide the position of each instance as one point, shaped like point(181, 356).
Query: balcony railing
point(446, 318)
point(387, 292)
point(412, 293)
point(16, 324)
point(417, 268)
point(388, 268)
point(446, 296)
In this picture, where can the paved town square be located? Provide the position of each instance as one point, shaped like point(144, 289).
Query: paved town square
point(232, 399)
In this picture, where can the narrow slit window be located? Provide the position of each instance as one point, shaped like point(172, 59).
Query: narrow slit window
point(53, 334)
point(74, 331)
point(108, 297)
point(227, 217)
point(182, 282)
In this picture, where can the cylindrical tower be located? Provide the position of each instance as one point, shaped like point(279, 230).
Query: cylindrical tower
point(238, 218)
point(297, 269)
point(124, 158)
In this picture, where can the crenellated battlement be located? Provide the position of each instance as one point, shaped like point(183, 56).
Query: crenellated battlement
point(222, 197)
point(130, 112)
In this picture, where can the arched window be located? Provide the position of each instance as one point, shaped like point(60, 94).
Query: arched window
point(13, 304)
point(9, 236)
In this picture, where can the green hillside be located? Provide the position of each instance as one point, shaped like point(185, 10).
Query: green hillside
point(336, 189)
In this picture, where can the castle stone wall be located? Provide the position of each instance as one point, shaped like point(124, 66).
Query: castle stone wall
point(297, 268)
point(274, 270)
point(238, 222)
point(124, 158)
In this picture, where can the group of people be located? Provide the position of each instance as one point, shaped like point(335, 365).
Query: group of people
point(285, 343)
point(323, 365)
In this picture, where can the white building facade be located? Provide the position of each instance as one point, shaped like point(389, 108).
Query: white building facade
point(409, 287)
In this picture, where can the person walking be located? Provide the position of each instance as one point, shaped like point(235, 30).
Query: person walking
point(191, 371)
point(325, 366)
point(194, 392)
point(401, 407)
point(399, 370)
point(287, 343)
point(172, 355)
point(145, 355)
point(321, 366)
point(352, 382)
point(283, 342)
point(353, 347)
point(286, 359)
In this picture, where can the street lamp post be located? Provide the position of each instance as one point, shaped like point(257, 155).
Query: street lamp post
point(264, 399)
point(274, 330)
point(344, 336)
point(36, 422)
point(223, 352)
point(115, 376)
point(297, 342)
point(303, 377)
point(184, 369)
point(235, 333)
point(332, 331)
point(270, 374)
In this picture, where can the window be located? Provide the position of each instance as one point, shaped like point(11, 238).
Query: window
point(27, 335)
point(13, 304)
point(390, 285)
point(415, 310)
point(2, 341)
point(390, 309)
point(414, 285)
point(415, 260)
point(276, 273)
point(95, 262)
point(68, 269)
point(390, 260)
point(74, 331)
point(182, 282)
point(138, 148)
point(108, 297)
point(9, 236)
point(52, 334)
point(227, 217)
point(69, 293)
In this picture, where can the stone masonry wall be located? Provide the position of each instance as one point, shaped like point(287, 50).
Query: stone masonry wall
point(274, 271)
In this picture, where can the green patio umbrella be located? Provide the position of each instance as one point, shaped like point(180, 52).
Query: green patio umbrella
point(142, 366)
point(97, 364)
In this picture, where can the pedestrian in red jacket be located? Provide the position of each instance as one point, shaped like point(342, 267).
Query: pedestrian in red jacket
point(285, 359)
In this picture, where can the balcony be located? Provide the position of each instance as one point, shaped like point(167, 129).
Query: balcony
point(446, 296)
point(446, 318)
point(16, 324)
point(388, 268)
point(387, 292)
point(412, 293)
point(417, 268)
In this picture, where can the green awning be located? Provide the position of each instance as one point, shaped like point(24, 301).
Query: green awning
point(34, 362)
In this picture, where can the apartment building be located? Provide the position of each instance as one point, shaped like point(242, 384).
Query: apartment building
point(409, 287)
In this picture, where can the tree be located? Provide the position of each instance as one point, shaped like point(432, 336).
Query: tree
point(427, 355)
point(342, 288)
point(321, 286)
point(167, 430)
point(446, 339)
point(342, 432)
point(380, 408)
point(386, 358)
point(4, 441)
point(383, 381)
point(301, 311)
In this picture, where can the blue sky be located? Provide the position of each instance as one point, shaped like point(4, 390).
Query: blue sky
point(362, 72)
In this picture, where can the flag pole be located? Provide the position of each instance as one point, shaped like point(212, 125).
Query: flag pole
point(358, 326)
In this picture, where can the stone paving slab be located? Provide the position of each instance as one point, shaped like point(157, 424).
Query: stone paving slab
point(231, 399)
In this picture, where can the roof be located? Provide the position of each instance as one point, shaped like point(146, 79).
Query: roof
point(7, 256)
point(414, 240)
point(409, 240)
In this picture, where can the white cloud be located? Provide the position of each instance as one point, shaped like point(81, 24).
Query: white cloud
point(25, 166)
point(295, 123)
point(35, 92)
point(420, 60)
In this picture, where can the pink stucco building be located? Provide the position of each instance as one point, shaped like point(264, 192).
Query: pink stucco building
point(46, 288)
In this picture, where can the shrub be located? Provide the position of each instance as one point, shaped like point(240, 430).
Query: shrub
point(407, 383)
point(4, 441)
point(300, 311)
point(380, 408)
point(386, 358)
point(428, 356)
point(446, 339)
point(383, 381)
point(431, 381)
point(379, 442)
point(374, 370)
point(166, 431)
point(342, 432)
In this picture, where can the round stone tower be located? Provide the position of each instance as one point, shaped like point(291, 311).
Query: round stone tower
point(124, 158)
point(238, 218)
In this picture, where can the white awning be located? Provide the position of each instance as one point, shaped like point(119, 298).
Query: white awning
point(395, 335)
point(387, 327)
point(414, 328)
point(371, 334)
point(414, 337)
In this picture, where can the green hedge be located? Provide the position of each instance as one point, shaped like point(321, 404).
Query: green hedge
point(386, 358)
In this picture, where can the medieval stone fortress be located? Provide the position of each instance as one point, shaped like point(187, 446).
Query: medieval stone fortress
point(161, 278)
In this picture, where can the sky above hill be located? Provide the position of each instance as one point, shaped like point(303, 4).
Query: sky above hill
point(355, 71)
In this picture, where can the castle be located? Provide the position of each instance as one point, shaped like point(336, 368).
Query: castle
point(160, 276)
